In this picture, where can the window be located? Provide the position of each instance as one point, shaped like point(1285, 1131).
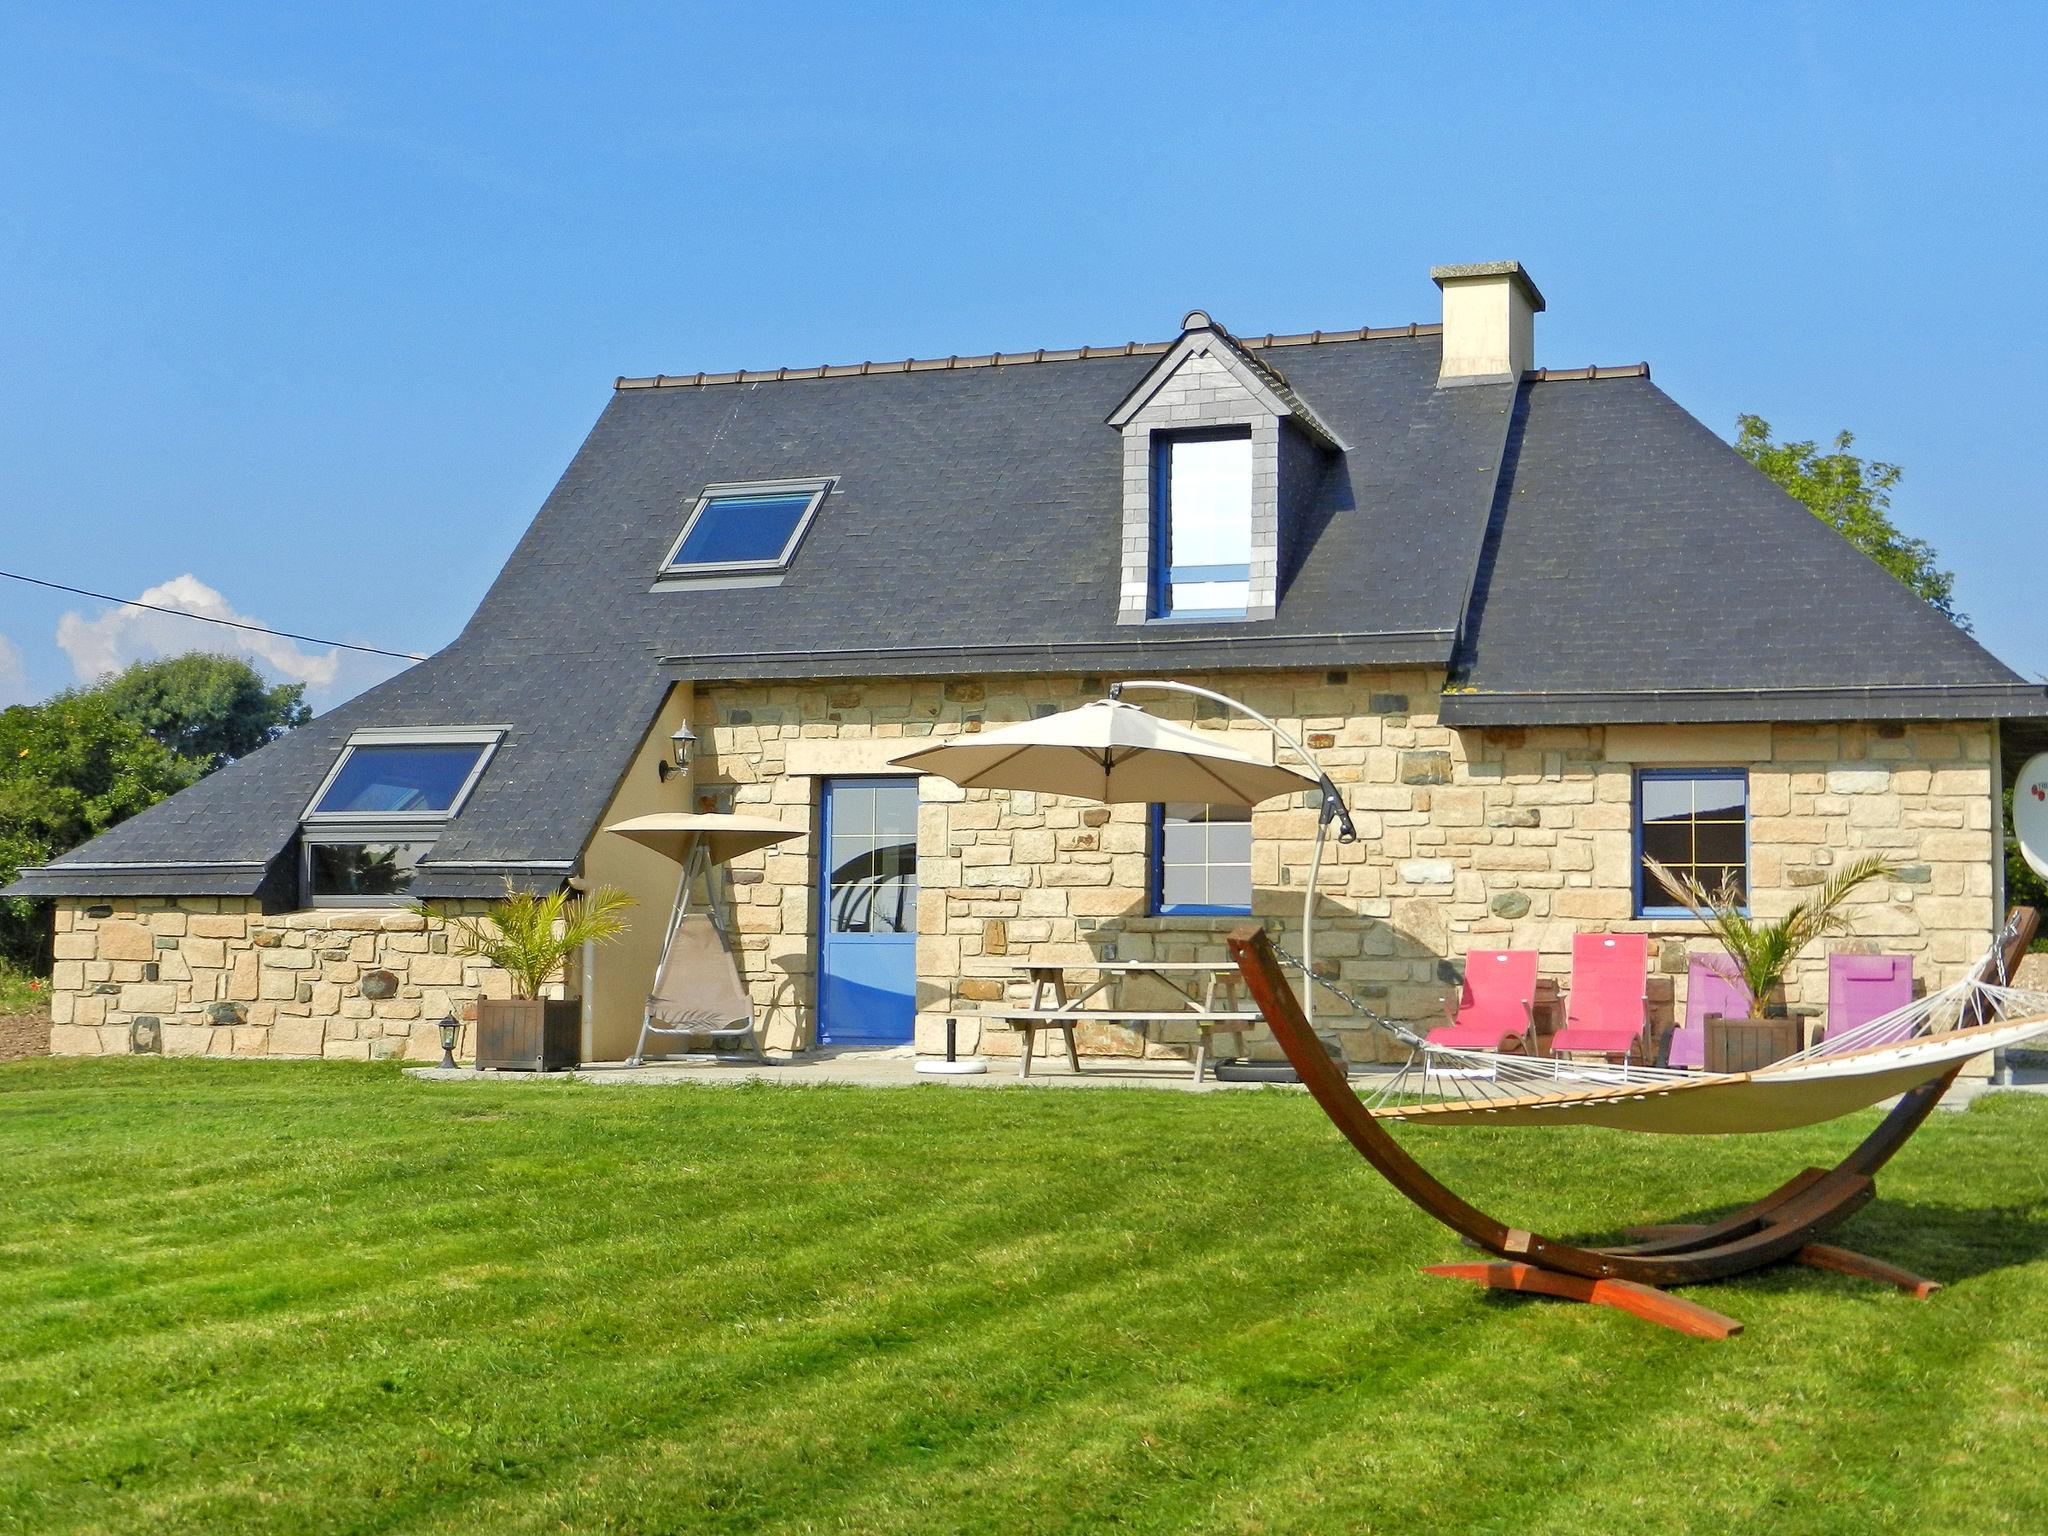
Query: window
point(873, 882)
point(745, 527)
point(1695, 822)
point(1202, 495)
point(391, 779)
point(1201, 860)
point(381, 808)
point(344, 873)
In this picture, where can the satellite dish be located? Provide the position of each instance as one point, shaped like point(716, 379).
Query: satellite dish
point(2030, 813)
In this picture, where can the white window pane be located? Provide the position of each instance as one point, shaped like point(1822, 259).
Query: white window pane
point(1209, 492)
point(1210, 597)
point(1666, 799)
point(1230, 885)
point(1182, 886)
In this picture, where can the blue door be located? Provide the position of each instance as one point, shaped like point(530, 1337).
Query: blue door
point(867, 947)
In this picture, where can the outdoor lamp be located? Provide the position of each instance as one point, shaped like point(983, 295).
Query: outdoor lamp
point(679, 751)
point(448, 1032)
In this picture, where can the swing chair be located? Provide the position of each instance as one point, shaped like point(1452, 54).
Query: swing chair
point(697, 992)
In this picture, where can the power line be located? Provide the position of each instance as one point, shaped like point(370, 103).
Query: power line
point(207, 618)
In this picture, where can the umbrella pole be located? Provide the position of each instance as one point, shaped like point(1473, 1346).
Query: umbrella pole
point(1332, 809)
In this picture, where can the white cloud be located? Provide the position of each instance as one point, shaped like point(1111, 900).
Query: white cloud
point(123, 636)
point(13, 674)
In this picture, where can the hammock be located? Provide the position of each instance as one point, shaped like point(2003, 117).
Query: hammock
point(1888, 1055)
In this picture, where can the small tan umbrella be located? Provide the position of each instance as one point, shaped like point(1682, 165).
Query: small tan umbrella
point(1110, 752)
point(725, 836)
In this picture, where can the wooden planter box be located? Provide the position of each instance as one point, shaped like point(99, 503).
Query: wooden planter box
point(1743, 1045)
point(528, 1034)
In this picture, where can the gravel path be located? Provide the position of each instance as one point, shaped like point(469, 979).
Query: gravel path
point(24, 1034)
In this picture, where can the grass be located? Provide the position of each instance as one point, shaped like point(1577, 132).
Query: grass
point(19, 991)
point(319, 1298)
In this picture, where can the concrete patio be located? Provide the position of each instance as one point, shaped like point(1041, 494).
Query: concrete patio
point(891, 1068)
point(897, 1068)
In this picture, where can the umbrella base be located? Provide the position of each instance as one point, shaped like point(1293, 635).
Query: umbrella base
point(966, 1066)
point(1236, 1069)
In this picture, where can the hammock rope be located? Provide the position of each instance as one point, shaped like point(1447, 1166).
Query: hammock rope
point(1452, 1084)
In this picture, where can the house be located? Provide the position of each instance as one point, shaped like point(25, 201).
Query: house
point(1537, 622)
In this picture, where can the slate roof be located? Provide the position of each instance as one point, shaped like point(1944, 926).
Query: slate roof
point(1638, 569)
point(1563, 544)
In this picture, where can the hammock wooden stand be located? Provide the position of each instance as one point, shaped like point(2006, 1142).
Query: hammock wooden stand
point(1782, 1227)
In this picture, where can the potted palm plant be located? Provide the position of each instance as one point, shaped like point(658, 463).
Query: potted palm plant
point(531, 938)
point(1761, 953)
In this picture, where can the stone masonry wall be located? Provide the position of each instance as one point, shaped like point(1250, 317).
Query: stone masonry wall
point(204, 976)
point(1475, 839)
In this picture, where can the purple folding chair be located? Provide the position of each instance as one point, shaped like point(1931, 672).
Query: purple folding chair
point(1865, 987)
point(1710, 987)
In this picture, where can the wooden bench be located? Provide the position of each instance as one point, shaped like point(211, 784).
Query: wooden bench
point(1029, 1021)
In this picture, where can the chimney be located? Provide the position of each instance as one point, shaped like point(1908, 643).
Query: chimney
point(1490, 310)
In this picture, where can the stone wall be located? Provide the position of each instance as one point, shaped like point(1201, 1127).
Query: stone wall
point(215, 977)
point(1474, 839)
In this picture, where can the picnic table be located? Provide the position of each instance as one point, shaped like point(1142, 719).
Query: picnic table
point(1060, 999)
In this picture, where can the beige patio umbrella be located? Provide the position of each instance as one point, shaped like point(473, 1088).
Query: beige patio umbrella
point(725, 835)
point(1110, 752)
point(1115, 753)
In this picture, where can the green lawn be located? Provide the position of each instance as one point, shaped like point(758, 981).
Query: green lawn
point(311, 1298)
point(19, 991)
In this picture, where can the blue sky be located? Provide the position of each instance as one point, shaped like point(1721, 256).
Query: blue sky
point(303, 310)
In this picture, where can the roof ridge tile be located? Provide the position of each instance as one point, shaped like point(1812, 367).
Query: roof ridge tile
point(1014, 359)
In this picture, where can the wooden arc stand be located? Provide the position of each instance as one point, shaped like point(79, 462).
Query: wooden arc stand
point(1782, 1227)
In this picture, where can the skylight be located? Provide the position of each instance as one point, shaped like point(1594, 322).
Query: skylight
point(409, 776)
point(381, 807)
point(745, 527)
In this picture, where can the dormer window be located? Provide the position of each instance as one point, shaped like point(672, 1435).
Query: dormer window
point(381, 808)
point(750, 529)
point(1202, 493)
point(1220, 459)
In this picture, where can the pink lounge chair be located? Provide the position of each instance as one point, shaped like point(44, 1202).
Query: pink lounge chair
point(1863, 987)
point(1710, 987)
point(1495, 1005)
point(1609, 1006)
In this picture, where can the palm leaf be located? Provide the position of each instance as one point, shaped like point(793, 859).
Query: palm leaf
point(530, 937)
point(1763, 952)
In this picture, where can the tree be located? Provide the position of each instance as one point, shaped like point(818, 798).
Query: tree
point(2022, 886)
point(211, 708)
point(70, 768)
point(78, 763)
point(1853, 496)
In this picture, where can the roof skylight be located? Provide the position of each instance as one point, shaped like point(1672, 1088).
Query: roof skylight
point(739, 528)
point(404, 775)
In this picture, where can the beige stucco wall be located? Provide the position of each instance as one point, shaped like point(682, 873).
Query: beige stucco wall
point(1476, 839)
point(622, 970)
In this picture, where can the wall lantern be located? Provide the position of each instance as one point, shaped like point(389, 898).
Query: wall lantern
point(448, 1034)
point(679, 752)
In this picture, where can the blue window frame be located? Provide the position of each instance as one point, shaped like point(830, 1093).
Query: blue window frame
point(1202, 524)
point(1201, 861)
point(754, 527)
point(1695, 821)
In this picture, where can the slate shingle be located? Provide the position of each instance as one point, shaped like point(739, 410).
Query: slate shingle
point(1633, 560)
